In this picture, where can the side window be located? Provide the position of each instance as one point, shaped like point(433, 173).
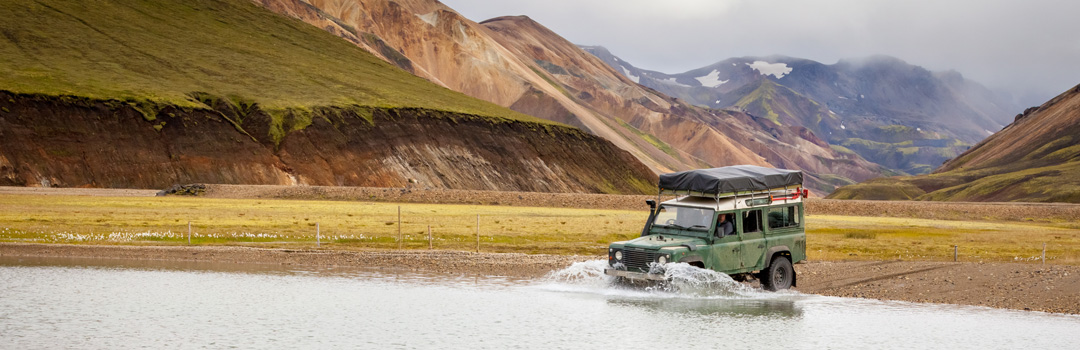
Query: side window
point(751, 221)
point(784, 217)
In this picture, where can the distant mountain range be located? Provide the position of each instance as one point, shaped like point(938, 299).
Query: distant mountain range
point(899, 115)
point(1034, 159)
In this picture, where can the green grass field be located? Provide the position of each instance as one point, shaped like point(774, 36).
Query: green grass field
point(367, 225)
point(166, 52)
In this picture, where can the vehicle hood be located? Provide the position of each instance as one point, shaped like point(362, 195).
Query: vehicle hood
point(660, 241)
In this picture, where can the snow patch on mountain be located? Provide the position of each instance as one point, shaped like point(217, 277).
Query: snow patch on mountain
point(431, 18)
point(712, 79)
point(670, 81)
point(633, 77)
point(778, 70)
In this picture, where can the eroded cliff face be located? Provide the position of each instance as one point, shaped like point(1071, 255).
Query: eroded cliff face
point(72, 142)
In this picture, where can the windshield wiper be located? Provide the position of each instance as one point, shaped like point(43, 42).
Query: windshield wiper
point(677, 225)
point(701, 226)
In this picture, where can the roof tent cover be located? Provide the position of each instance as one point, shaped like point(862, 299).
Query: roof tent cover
point(728, 179)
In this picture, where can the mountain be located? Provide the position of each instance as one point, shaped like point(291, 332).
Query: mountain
point(1036, 158)
point(146, 94)
point(890, 112)
point(440, 45)
point(537, 72)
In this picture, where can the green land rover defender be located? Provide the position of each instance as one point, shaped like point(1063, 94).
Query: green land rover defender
point(739, 220)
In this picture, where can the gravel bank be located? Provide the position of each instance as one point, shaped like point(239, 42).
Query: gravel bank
point(1049, 288)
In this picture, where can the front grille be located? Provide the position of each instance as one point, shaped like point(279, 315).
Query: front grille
point(638, 259)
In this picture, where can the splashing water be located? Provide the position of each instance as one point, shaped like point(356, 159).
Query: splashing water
point(681, 281)
point(585, 273)
point(690, 280)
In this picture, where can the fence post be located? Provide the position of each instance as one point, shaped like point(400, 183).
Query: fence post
point(477, 233)
point(429, 237)
point(318, 241)
point(954, 253)
point(1044, 254)
point(189, 232)
point(399, 238)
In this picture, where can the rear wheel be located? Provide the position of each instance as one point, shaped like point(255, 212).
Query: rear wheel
point(779, 275)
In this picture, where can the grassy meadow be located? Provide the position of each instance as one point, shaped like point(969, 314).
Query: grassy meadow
point(173, 52)
point(368, 225)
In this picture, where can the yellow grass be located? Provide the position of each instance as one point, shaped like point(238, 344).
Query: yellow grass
point(364, 225)
point(292, 223)
point(832, 237)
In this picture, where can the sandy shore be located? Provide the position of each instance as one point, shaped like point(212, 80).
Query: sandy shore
point(1049, 288)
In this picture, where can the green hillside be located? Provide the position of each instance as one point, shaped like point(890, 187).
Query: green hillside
point(180, 52)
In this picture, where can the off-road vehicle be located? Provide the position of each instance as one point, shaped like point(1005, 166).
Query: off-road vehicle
point(765, 236)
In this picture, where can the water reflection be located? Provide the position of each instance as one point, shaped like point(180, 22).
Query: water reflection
point(737, 308)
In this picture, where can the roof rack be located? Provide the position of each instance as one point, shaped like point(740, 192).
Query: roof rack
point(733, 181)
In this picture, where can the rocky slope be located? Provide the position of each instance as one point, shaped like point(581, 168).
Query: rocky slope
point(439, 44)
point(898, 115)
point(49, 141)
point(130, 93)
point(516, 62)
point(1034, 159)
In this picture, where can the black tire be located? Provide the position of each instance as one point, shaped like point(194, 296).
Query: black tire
point(779, 275)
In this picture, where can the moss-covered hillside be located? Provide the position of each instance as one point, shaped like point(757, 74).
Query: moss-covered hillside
point(180, 52)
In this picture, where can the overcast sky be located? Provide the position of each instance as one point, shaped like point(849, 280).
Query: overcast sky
point(1030, 48)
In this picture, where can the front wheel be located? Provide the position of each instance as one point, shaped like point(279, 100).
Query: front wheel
point(779, 275)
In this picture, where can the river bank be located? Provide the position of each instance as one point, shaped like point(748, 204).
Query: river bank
point(1034, 287)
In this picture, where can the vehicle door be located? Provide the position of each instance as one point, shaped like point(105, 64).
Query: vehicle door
point(752, 240)
point(724, 255)
point(785, 229)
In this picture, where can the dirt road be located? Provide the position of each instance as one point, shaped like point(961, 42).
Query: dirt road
point(1048, 288)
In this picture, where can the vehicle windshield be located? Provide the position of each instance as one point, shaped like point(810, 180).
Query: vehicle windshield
point(684, 218)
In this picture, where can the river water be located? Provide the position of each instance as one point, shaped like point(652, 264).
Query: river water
point(96, 304)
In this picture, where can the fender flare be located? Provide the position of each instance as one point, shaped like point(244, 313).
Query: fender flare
point(772, 252)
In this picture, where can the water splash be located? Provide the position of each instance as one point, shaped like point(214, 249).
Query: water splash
point(587, 273)
point(681, 281)
point(686, 279)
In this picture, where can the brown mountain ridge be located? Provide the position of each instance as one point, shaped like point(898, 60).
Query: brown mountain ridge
point(518, 63)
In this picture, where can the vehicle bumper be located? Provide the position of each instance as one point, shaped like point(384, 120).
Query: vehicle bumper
point(634, 275)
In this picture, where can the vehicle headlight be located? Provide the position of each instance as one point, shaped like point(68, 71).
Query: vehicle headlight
point(662, 259)
point(618, 255)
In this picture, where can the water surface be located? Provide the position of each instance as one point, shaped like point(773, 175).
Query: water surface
point(50, 304)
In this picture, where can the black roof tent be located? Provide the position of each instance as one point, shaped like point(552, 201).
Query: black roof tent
point(733, 180)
